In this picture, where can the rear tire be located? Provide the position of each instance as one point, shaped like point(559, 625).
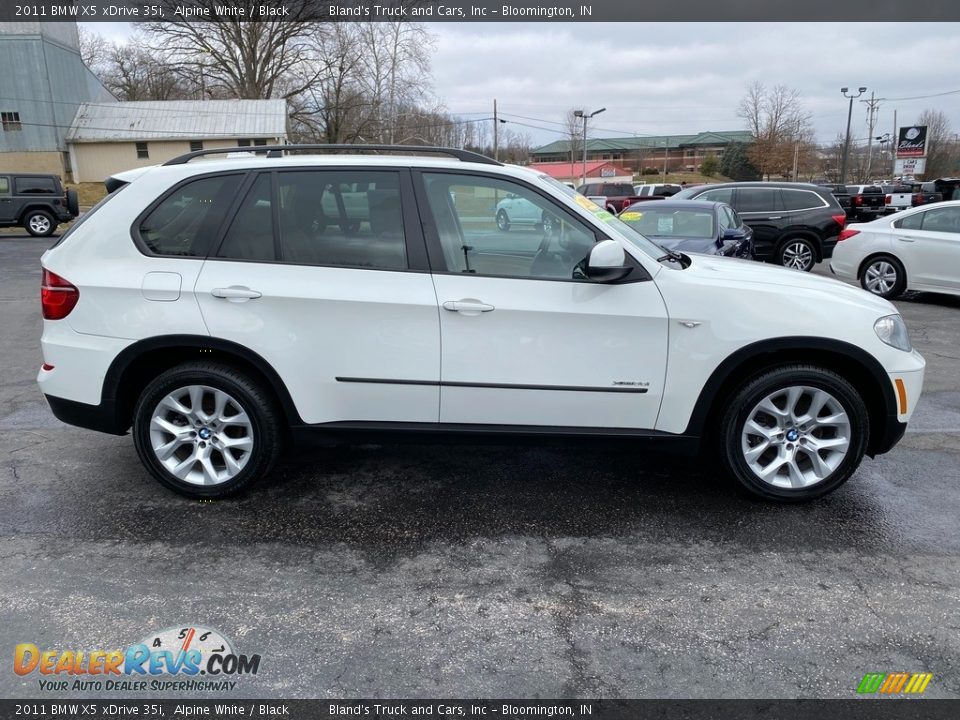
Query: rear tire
point(206, 430)
point(883, 276)
point(797, 253)
point(39, 223)
point(503, 221)
point(794, 433)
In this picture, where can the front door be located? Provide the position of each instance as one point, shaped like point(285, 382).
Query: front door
point(525, 341)
point(7, 214)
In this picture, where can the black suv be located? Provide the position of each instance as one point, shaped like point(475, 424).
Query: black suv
point(794, 224)
point(37, 203)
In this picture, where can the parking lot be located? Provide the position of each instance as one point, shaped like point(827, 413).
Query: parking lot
point(492, 571)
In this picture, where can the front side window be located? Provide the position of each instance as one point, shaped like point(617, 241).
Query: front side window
point(35, 186)
point(725, 217)
point(492, 226)
point(188, 218)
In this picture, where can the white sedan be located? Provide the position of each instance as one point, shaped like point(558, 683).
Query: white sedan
point(916, 249)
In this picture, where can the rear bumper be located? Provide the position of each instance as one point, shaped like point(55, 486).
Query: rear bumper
point(102, 418)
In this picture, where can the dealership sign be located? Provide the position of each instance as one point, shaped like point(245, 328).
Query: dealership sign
point(910, 166)
point(912, 141)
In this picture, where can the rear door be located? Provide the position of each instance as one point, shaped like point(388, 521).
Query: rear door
point(761, 209)
point(931, 247)
point(6, 202)
point(343, 309)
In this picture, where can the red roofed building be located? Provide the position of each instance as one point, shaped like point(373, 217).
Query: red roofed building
point(572, 172)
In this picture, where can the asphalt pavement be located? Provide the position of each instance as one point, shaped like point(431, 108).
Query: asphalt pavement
point(485, 571)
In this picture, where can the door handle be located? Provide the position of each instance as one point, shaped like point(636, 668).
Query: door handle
point(775, 217)
point(906, 239)
point(467, 306)
point(235, 292)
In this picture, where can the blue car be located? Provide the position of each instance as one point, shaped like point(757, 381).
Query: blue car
point(698, 226)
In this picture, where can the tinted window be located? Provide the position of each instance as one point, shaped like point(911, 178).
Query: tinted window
point(188, 218)
point(35, 186)
point(910, 222)
point(343, 218)
point(250, 236)
point(491, 226)
point(617, 190)
point(758, 200)
point(801, 200)
point(4, 185)
point(718, 195)
point(853, 189)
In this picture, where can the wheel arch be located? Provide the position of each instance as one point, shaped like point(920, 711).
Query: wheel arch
point(857, 366)
point(33, 208)
point(142, 361)
point(882, 253)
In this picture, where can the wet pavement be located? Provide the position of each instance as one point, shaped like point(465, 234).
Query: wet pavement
point(486, 571)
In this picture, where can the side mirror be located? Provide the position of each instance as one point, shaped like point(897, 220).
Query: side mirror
point(607, 262)
point(733, 234)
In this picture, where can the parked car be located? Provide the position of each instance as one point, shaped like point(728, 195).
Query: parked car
point(517, 210)
point(217, 310)
point(947, 188)
point(794, 224)
point(615, 195)
point(898, 197)
point(37, 203)
point(840, 193)
point(867, 201)
point(916, 249)
point(710, 228)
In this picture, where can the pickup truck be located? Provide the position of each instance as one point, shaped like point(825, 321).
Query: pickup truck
point(867, 202)
point(898, 197)
point(949, 188)
point(615, 196)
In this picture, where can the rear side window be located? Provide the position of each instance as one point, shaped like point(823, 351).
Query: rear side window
point(250, 236)
point(189, 217)
point(758, 200)
point(910, 222)
point(801, 200)
point(35, 186)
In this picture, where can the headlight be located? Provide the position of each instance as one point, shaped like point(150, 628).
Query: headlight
point(891, 330)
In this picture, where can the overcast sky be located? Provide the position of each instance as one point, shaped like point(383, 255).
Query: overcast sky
point(680, 78)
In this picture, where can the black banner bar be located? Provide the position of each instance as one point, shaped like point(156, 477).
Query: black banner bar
point(855, 709)
point(477, 10)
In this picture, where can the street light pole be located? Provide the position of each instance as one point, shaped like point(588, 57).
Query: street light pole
point(846, 145)
point(583, 114)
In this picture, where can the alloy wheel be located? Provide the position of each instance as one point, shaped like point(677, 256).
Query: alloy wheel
point(39, 224)
point(880, 277)
point(796, 437)
point(798, 255)
point(201, 435)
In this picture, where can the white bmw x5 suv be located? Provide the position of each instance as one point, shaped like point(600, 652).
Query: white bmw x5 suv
point(221, 306)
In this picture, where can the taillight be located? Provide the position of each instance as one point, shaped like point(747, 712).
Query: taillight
point(57, 296)
point(626, 204)
point(847, 234)
point(840, 220)
point(888, 199)
point(858, 199)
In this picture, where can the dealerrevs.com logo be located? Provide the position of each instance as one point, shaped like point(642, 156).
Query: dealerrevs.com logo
point(188, 659)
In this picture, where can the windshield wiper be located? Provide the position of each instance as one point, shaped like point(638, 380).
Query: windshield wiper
point(671, 255)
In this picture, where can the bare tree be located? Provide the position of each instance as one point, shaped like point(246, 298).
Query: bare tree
point(573, 125)
point(775, 117)
point(941, 148)
point(242, 59)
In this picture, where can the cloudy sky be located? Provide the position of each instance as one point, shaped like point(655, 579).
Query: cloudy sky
point(678, 78)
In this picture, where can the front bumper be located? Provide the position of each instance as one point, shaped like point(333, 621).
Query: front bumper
point(907, 386)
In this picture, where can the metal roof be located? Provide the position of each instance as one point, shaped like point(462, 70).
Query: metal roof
point(710, 137)
point(179, 120)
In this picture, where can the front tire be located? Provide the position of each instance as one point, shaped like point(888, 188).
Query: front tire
point(798, 253)
point(39, 223)
point(794, 433)
point(503, 221)
point(206, 430)
point(884, 276)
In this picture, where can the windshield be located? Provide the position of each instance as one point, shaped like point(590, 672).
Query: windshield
point(616, 226)
point(670, 222)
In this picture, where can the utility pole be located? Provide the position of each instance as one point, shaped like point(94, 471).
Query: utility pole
point(872, 105)
point(496, 124)
point(796, 151)
point(894, 138)
point(586, 116)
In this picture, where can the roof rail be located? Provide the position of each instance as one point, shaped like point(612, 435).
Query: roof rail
point(275, 151)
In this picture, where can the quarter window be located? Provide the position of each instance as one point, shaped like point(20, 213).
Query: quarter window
point(801, 200)
point(35, 186)
point(489, 226)
point(184, 221)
